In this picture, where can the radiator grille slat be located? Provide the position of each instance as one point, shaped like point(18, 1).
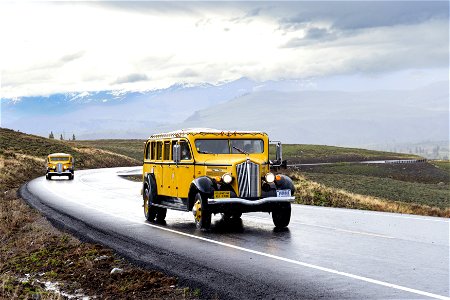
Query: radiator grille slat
point(248, 179)
point(59, 168)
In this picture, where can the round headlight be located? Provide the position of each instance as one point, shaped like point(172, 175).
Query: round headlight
point(227, 178)
point(270, 177)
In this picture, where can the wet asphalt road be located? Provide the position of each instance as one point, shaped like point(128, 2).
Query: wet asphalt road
point(325, 253)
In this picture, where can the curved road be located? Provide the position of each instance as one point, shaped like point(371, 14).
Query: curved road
point(325, 253)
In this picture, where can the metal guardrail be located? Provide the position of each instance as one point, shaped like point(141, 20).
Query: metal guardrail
point(396, 161)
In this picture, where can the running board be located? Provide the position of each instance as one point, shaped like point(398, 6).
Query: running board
point(171, 206)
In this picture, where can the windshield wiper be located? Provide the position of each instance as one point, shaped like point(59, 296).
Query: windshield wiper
point(203, 152)
point(240, 150)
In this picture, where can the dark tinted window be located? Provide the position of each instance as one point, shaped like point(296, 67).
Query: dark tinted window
point(166, 150)
point(185, 151)
point(159, 151)
point(147, 151)
point(153, 147)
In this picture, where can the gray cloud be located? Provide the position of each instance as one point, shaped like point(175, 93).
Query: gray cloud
point(362, 14)
point(188, 73)
point(313, 35)
point(71, 57)
point(135, 77)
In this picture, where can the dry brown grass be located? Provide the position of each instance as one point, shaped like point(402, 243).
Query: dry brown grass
point(312, 193)
point(29, 244)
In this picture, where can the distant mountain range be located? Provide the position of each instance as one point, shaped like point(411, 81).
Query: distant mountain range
point(334, 117)
point(286, 110)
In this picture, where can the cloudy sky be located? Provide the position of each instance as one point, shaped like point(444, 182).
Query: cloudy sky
point(60, 47)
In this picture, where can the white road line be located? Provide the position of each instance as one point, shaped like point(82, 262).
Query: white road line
point(316, 267)
point(327, 227)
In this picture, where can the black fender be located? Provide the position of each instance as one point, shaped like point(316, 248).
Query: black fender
point(204, 185)
point(268, 190)
point(150, 181)
point(285, 183)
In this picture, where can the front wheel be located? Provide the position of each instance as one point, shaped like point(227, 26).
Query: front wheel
point(201, 215)
point(281, 216)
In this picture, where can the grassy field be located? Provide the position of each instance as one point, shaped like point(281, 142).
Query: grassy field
point(296, 154)
point(130, 148)
point(29, 244)
point(15, 144)
point(442, 164)
point(419, 188)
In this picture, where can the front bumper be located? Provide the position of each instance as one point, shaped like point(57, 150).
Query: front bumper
point(268, 204)
point(252, 202)
point(63, 173)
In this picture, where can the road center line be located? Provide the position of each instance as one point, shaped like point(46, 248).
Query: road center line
point(288, 260)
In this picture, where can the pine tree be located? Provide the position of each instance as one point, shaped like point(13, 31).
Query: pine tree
point(51, 136)
point(73, 137)
point(61, 138)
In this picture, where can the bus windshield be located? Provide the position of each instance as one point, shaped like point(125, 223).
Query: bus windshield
point(62, 158)
point(229, 146)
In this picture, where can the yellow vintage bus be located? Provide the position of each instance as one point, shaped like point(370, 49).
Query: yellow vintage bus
point(210, 171)
point(60, 164)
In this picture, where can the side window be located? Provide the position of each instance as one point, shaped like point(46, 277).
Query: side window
point(147, 151)
point(174, 143)
point(166, 150)
point(153, 146)
point(185, 151)
point(159, 151)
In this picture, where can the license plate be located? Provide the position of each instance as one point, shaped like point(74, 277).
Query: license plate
point(221, 194)
point(283, 193)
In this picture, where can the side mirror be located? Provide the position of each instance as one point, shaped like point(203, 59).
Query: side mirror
point(176, 153)
point(279, 153)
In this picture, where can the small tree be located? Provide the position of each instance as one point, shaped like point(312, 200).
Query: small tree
point(51, 136)
point(73, 137)
point(61, 138)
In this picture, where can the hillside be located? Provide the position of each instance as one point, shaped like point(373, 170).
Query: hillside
point(415, 188)
point(130, 148)
point(18, 145)
point(33, 252)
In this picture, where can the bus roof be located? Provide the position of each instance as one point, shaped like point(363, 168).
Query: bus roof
point(59, 154)
point(203, 131)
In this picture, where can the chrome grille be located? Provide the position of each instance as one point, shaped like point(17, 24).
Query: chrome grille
point(59, 168)
point(248, 179)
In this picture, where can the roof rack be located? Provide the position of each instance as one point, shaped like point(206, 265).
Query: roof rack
point(202, 131)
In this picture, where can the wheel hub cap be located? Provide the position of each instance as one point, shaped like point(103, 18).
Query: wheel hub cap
point(197, 211)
